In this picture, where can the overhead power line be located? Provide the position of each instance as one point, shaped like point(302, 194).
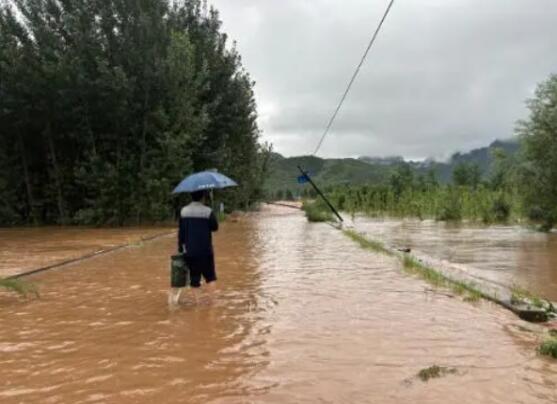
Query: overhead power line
point(353, 78)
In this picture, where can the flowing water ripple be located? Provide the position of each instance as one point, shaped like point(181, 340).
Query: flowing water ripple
point(505, 254)
point(303, 315)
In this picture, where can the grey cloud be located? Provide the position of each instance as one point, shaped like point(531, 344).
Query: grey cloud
point(444, 75)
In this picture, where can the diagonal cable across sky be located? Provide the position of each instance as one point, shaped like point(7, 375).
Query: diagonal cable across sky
point(370, 44)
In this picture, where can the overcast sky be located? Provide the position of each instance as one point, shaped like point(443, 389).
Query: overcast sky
point(443, 75)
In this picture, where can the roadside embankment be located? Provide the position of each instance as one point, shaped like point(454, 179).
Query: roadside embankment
point(461, 279)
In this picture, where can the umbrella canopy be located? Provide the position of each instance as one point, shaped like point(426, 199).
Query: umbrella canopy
point(204, 180)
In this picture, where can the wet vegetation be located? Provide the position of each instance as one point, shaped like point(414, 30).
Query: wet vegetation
point(367, 243)
point(106, 105)
point(317, 211)
point(549, 347)
point(520, 295)
point(19, 286)
point(330, 172)
point(434, 372)
point(523, 297)
point(412, 266)
point(437, 279)
point(424, 197)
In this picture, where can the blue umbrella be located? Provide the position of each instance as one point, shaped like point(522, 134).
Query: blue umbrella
point(204, 180)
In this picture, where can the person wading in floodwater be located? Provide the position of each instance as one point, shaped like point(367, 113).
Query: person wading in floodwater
point(195, 241)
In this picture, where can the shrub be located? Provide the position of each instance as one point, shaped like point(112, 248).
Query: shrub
point(451, 207)
point(317, 211)
point(549, 347)
point(501, 209)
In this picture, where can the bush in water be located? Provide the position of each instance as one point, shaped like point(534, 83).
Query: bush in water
point(549, 347)
point(317, 211)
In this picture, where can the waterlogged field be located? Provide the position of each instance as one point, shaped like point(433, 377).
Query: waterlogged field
point(303, 315)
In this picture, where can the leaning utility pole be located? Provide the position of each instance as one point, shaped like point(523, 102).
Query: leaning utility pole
point(307, 178)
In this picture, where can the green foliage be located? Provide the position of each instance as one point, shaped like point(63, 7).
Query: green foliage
point(106, 105)
point(19, 286)
point(326, 172)
point(412, 266)
point(501, 209)
point(519, 296)
point(437, 279)
point(450, 208)
point(539, 141)
point(381, 171)
point(402, 190)
point(467, 174)
point(549, 347)
point(426, 199)
point(367, 243)
point(430, 275)
point(317, 211)
point(401, 179)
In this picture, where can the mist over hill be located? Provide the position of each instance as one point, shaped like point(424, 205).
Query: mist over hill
point(374, 170)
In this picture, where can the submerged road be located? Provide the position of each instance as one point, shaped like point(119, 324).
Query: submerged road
point(303, 315)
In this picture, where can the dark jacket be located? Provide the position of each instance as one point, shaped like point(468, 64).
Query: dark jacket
point(197, 222)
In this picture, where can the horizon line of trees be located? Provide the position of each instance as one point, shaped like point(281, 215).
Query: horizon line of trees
point(105, 105)
point(521, 186)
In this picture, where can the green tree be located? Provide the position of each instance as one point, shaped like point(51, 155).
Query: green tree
point(503, 170)
point(401, 179)
point(106, 104)
point(539, 141)
point(467, 174)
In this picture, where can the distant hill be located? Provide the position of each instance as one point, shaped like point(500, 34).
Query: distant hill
point(482, 156)
point(284, 171)
point(373, 170)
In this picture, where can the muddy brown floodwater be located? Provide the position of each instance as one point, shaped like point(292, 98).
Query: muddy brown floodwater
point(24, 249)
point(303, 315)
point(511, 255)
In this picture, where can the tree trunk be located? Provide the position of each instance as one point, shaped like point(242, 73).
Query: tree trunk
point(92, 138)
point(27, 178)
point(120, 208)
point(142, 155)
point(57, 180)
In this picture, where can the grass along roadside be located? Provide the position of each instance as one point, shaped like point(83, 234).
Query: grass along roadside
point(469, 291)
point(366, 243)
point(437, 279)
point(520, 295)
point(412, 266)
point(19, 286)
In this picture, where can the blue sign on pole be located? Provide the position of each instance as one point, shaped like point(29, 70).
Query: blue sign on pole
point(302, 179)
